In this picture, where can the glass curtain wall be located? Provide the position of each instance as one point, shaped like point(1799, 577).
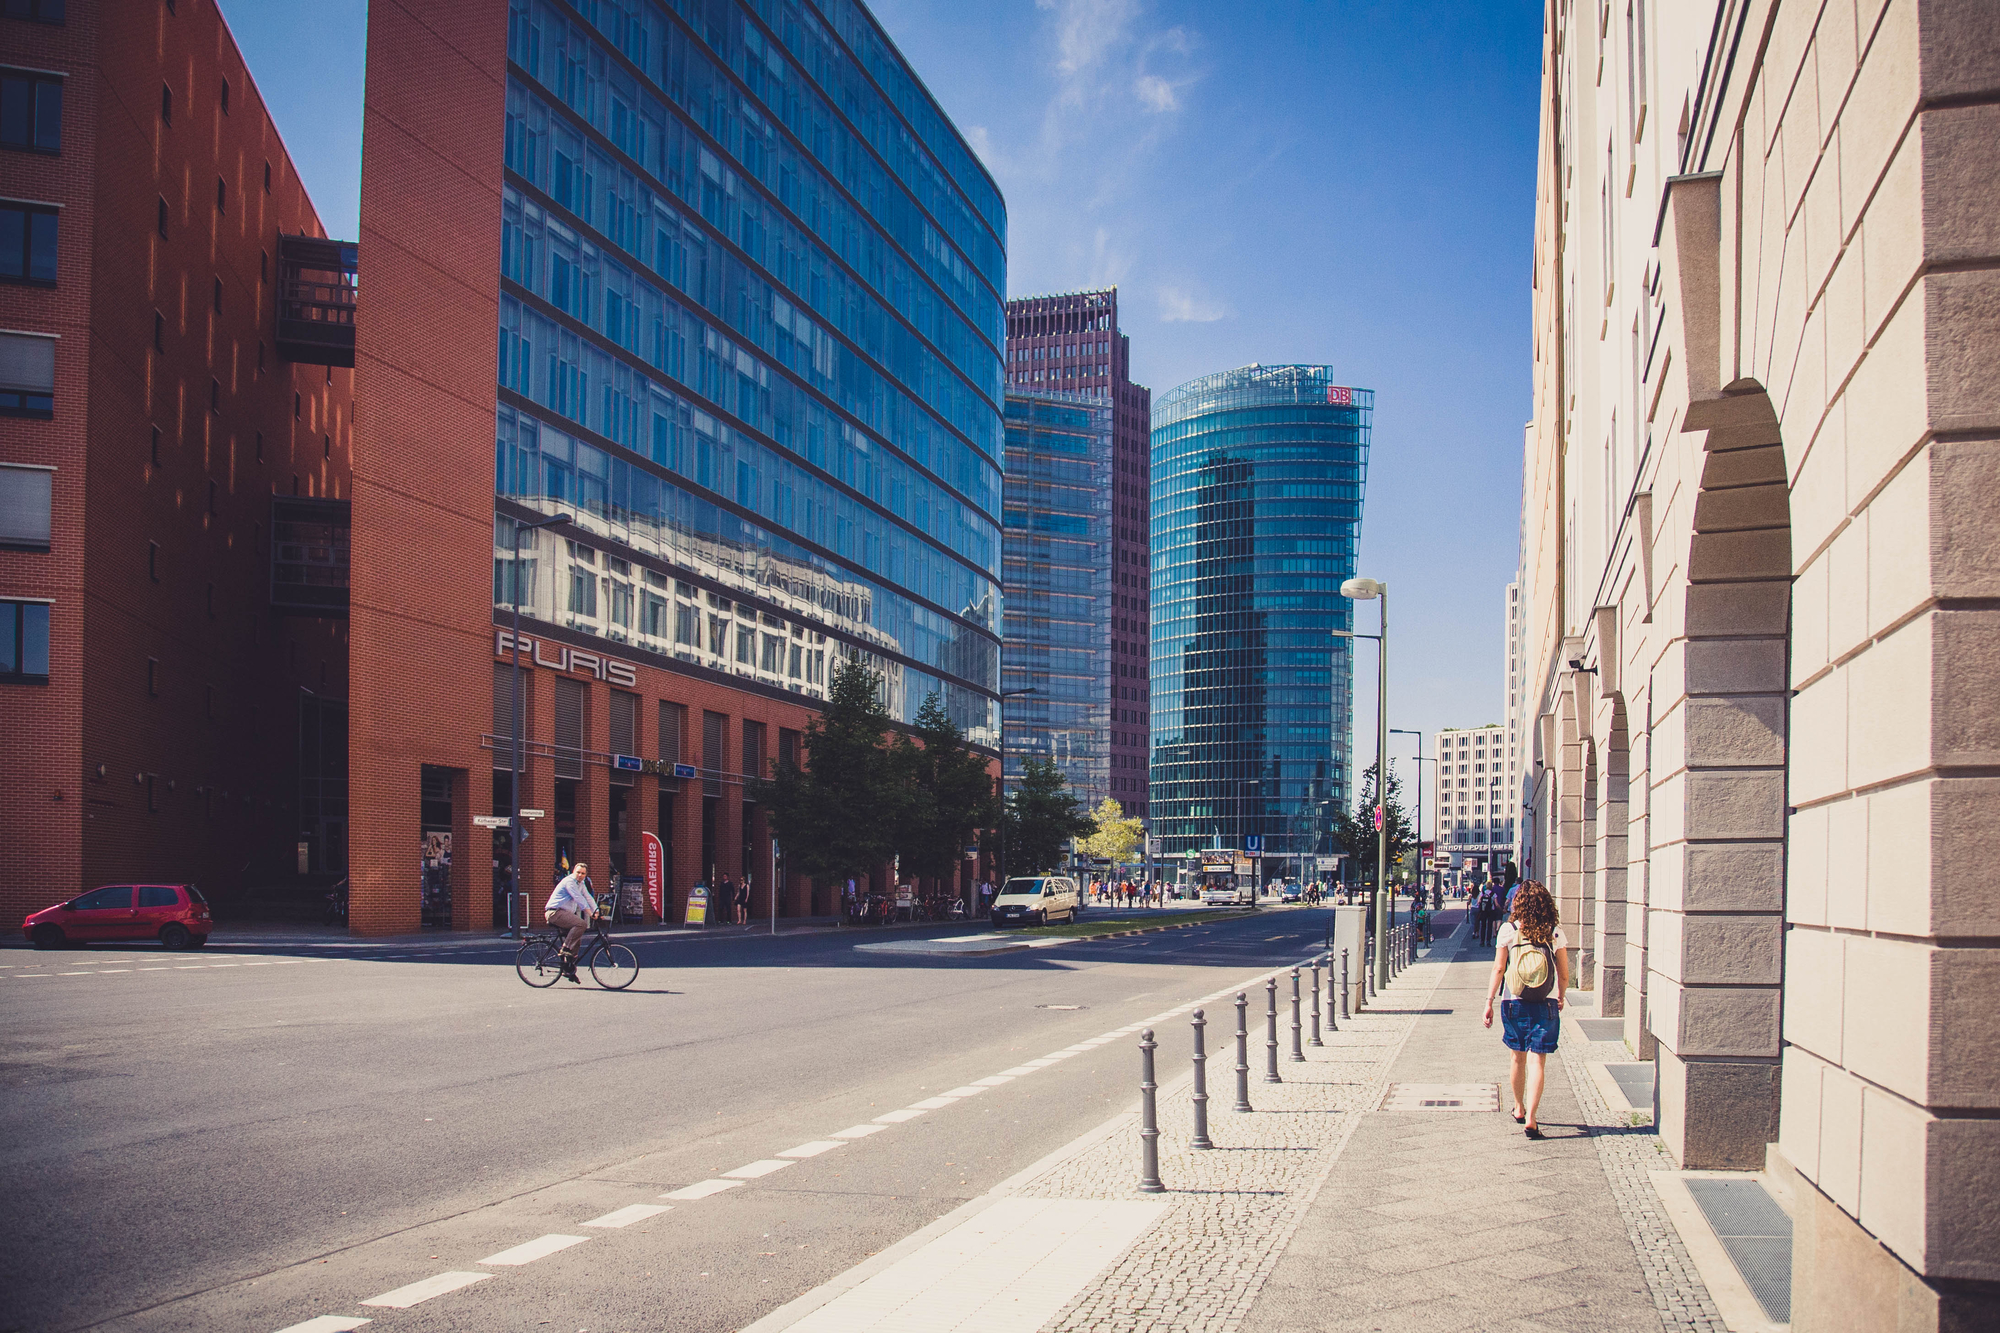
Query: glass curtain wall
point(1057, 575)
point(750, 336)
point(1257, 489)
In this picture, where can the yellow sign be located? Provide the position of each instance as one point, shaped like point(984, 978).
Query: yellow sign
point(697, 913)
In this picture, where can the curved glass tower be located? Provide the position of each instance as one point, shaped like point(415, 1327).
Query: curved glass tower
point(1258, 476)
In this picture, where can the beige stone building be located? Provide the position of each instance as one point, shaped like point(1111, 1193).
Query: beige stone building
point(1760, 584)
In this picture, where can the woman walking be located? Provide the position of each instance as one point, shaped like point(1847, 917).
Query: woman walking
point(1531, 957)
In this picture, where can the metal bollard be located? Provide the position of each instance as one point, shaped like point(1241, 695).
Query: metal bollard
point(1242, 1053)
point(1149, 1119)
point(1332, 996)
point(1271, 1033)
point(1200, 1139)
point(1297, 1054)
point(1315, 967)
point(1343, 985)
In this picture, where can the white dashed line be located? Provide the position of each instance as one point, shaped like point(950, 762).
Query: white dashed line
point(626, 1216)
point(858, 1131)
point(813, 1149)
point(993, 1080)
point(969, 1090)
point(102, 970)
point(164, 969)
point(327, 1323)
point(933, 1103)
point(898, 1117)
point(754, 1170)
point(701, 1189)
point(76, 974)
point(402, 1298)
point(541, 1247)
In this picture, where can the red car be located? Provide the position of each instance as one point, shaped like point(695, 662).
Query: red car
point(174, 914)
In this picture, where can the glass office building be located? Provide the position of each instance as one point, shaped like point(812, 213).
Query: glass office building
point(1257, 487)
point(1057, 571)
point(750, 335)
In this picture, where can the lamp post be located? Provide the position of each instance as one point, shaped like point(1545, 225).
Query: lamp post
point(1366, 590)
point(1241, 850)
point(1422, 869)
point(1005, 695)
point(514, 777)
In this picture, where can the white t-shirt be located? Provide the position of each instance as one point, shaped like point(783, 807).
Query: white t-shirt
point(1510, 934)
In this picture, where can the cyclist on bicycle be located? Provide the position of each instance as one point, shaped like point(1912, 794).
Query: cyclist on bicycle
point(571, 907)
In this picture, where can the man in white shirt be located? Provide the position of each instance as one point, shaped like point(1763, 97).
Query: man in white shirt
point(571, 908)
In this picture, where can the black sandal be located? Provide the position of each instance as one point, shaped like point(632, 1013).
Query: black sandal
point(1535, 1132)
point(1520, 1117)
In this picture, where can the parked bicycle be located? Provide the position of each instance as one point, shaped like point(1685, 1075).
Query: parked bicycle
point(540, 963)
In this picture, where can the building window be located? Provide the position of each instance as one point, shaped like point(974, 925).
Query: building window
point(163, 219)
point(295, 407)
point(153, 561)
point(267, 178)
point(24, 643)
point(260, 445)
point(28, 244)
point(221, 194)
point(26, 495)
point(211, 511)
point(30, 111)
point(166, 104)
point(326, 446)
point(153, 677)
point(214, 395)
point(225, 97)
point(159, 332)
point(156, 446)
point(35, 11)
point(27, 375)
point(218, 296)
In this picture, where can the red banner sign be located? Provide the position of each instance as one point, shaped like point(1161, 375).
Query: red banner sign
point(1340, 397)
point(656, 875)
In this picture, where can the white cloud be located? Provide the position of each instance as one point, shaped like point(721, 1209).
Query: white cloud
point(1088, 30)
point(1156, 94)
point(1178, 306)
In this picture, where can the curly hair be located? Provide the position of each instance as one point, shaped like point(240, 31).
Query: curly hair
point(1534, 913)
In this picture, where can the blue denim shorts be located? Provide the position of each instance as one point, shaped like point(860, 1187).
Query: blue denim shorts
point(1530, 1025)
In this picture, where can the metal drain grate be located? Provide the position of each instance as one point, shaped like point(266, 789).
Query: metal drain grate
point(1442, 1097)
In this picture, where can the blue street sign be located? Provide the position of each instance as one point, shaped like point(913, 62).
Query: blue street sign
point(1253, 843)
point(630, 763)
point(685, 771)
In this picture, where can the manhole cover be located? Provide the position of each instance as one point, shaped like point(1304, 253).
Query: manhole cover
point(1058, 1006)
point(1442, 1097)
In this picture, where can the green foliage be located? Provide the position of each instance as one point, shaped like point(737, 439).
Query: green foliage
point(841, 815)
point(948, 794)
point(1039, 819)
point(1113, 836)
point(1355, 831)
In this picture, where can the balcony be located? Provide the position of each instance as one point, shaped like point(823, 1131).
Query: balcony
point(310, 546)
point(318, 283)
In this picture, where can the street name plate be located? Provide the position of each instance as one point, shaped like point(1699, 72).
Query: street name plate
point(489, 821)
point(532, 814)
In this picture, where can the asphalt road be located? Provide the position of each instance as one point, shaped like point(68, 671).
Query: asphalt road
point(246, 1139)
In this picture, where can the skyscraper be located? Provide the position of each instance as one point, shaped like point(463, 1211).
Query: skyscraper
point(1071, 344)
point(746, 280)
point(1057, 522)
point(1258, 478)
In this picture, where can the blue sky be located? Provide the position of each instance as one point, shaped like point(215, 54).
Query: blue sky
point(1292, 180)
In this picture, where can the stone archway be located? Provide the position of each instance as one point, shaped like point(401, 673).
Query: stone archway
point(1716, 923)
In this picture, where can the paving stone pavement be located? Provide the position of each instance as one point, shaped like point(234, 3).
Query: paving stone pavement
point(1319, 1211)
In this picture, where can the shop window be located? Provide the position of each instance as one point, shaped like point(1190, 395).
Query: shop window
point(28, 244)
point(24, 643)
point(30, 111)
point(27, 375)
point(26, 502)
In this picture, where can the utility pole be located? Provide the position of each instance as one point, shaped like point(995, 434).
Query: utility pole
point(514, 778)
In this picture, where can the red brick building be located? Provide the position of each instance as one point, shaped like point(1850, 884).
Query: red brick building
point(152, 433)
point(774, 446)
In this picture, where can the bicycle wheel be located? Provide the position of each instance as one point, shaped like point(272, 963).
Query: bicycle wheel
point(539, 963)
point(614, 966)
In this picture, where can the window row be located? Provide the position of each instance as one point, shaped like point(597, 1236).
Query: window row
point(556, 157)
point(28, 243)
point(576, 379)
point(27, 375)
point(551, 260)
point(921, 205)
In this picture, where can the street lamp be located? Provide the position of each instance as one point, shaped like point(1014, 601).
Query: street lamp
point(1368, 590)
point(1005, 695)
point(1422, 869)
point(514, 777)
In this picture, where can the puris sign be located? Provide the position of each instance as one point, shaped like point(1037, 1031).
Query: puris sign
point(564, 658)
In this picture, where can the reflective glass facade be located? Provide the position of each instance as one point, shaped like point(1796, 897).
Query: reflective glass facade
point(750, 334)
point(1257, 487)
point(1058, 582)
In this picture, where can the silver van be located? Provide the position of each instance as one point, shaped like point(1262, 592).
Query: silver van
point(1037, 900)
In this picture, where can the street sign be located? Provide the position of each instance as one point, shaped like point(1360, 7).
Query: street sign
point(630, 763)
point(685, 771)
point(489, 821)
point(1326, 863)
point(1152, 846)
point(1253, 843)
point(533, 814)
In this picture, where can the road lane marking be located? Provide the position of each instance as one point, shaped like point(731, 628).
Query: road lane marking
point(541, 1247)
point(626, 1216)
point(1016, 1071)
point(969, 1090)
point(701, 1189)
point(858, 1131)
point(933, 1103)
point(815, 1148)
point(165, 969)
point(402, 1298)
point(188, 967)
point(29, 976)
point(76, 974)
point(102, 970)
point(328, 1323)
point(224, 965)
point(898, 1117)
point(763, 1166)
point(1013, 1266)
point(992, 1080)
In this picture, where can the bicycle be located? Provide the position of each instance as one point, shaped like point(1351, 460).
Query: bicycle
point(613, 966)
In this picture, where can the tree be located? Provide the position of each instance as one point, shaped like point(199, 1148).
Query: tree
point(839, 816)
point(1114, 836)
point(1040, 817)
point(1356, 831)
point(949, 793)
